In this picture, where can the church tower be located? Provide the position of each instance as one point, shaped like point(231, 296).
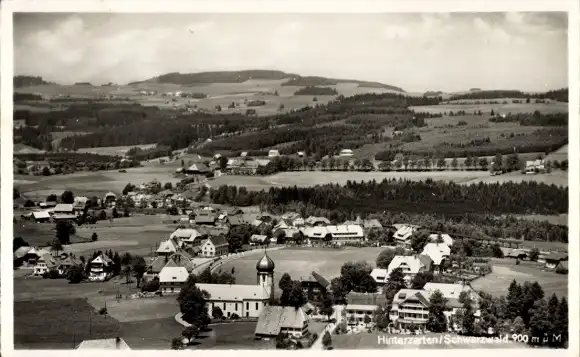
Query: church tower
point(265, 274)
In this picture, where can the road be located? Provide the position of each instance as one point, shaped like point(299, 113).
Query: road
point(317, 345)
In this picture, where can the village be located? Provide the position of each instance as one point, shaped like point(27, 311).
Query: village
point(206, 238)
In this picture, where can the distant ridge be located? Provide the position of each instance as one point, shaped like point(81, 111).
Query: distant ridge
point(29, 81)
point(242, 76)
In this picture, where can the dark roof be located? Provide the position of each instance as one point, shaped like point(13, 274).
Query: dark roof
point(234, 211)
point(219, 240)
point(323, 282)
point(426, 260)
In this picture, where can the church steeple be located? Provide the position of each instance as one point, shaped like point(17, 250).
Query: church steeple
point(265, 273)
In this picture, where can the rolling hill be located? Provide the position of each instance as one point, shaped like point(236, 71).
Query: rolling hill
point(242, 76)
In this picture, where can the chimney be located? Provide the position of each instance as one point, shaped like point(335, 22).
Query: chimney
point(117, 342)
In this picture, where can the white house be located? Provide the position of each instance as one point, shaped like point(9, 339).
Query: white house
point(258, 239)
point(438, 252)
point(44, 264)
point(167, 247)
point(535, 166)
point(404, 232)
point(171, 279)
point(186, 236)
point(215, 246)
point(380, 276)
point(410, 265)
point(273, 153)
point(410, 307)
point(345, 153)
point(101, 268)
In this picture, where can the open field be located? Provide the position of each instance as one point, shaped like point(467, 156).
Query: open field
point(138, 234)
point(546, 108)
point(300, 262)
point(313, 178)
point(89, 184)
point(114, 150)
point(370, 341)
point(497, 282)
point(217, 94)
point(559, 155)
point(561, 219)
point(59, 324)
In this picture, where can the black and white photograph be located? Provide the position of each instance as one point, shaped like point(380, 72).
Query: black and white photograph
point(291, 181)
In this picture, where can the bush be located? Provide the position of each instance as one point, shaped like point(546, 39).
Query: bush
point(45, 275)
point(103, 311)
point(151, 286)
point(94, 236)
point(53, 274)
point(234, 317)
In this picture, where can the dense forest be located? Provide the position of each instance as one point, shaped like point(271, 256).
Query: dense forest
point(533, 119)
point(560, 95)
point(28, 81)
point(311, 90)
point(311, 81)
point(413, 196)
point(217, 77)
point(18, 97)
point(436, 206)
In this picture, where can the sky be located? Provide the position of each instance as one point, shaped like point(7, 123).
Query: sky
point(417, 52)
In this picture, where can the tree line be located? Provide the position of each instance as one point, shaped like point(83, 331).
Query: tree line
point(417, 196)
point(560, 95)
point(533, 119)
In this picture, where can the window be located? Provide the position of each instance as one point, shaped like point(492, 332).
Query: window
point(236, 306)
point(256, 306)
point(247, 306)
point(247, 314)
point(225, 308)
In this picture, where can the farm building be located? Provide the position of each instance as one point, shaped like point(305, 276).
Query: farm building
point(273, 153)
point(274, 320)
point(38, 216)
point(197, 169)
point(554, 259)
point(257, 239)
point(167, 247)
point(64, 211)
point(80, 203)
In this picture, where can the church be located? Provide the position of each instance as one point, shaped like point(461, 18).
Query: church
point(243, 300)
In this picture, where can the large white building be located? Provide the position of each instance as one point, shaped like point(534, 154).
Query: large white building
point(339, 234)
point(439, 253)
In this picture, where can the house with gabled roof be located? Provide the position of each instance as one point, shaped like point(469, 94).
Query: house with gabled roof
point(410, 307)
point(167, 247)
point(360, 305)
point(101, 268)
point(404, 232)
point(172, 278)
point(234, 221)
point(275, 320)
point(204, 218)
point(41, 216)
point(439, 254)
point(381, 277)
point(554, 259)
point(64, 211)
point(67, 263)
point(411, 265)
point(187, 236)
point(215, 246)
point(257, 239)
point(44, 264)
point(314, 284)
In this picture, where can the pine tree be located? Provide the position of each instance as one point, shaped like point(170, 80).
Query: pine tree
point(562, 320)
point(514, 301)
